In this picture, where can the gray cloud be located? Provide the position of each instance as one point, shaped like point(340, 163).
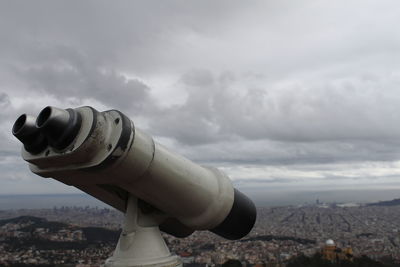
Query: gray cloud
point(137, 35)
point(4, 100)
point(70, 74)
point(231, 84)
point(346, 119)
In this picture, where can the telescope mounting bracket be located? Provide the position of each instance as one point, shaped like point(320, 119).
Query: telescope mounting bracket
point(140, 242)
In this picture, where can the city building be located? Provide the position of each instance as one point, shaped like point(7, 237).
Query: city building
point(333, 253)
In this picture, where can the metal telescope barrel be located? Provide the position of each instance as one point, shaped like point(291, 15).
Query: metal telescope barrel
point(106, 156)
point(59, 126)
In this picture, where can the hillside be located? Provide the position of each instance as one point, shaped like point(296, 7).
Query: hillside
point(27, 231)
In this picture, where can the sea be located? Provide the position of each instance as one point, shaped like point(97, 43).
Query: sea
point(262, 198)
point(48, 201)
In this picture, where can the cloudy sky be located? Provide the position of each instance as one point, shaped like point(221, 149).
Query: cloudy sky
point(285, 96)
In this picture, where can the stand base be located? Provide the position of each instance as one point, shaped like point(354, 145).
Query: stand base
point(141, 243)
point(172, 261)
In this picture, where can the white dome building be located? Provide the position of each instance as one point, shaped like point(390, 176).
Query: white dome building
point(329, 242)
point(332, 253)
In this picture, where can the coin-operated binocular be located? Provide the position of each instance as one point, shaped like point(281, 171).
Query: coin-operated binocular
point(106, 156)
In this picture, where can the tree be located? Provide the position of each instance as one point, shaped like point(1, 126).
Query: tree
point(232, 263)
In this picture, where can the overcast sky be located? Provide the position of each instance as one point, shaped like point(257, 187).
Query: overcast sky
point(282, 95)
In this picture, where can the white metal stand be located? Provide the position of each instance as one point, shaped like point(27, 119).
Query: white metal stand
point(141, 243)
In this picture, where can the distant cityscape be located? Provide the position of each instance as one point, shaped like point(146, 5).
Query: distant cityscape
point(77, 236)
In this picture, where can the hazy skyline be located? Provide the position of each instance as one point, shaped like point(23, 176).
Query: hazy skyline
point(284, 96)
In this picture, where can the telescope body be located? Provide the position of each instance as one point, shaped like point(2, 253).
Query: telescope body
point(106, 156)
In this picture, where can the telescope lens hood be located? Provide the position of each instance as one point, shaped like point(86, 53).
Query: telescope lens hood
point(26, 131)
point(240, 219)
point(60, 126)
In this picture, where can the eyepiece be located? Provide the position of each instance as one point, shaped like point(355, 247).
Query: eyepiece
point(43, 116)
point(60, 126)
point(26, 131)
point(19, 125)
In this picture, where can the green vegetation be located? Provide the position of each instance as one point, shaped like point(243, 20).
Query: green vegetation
point(94, 236)
point(98, 234)
point(22, 219)
point(232, 263)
